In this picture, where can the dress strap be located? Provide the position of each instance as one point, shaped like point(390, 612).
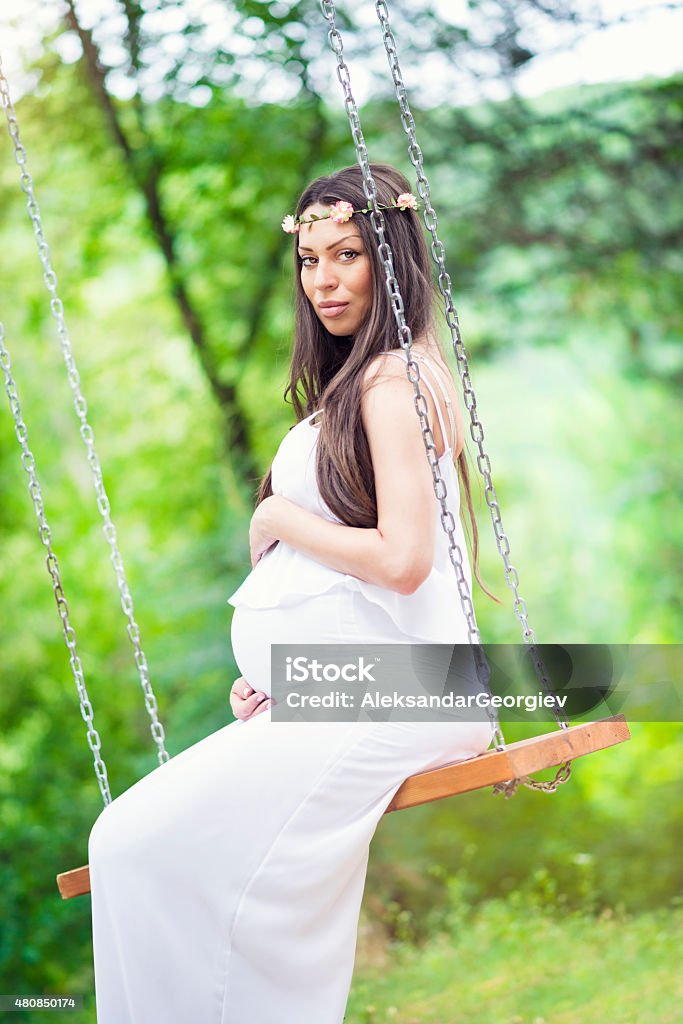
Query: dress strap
point(437, 403)
point(306, 419)
point(449, 404)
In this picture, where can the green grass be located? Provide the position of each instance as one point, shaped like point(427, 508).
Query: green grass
point(510, 962)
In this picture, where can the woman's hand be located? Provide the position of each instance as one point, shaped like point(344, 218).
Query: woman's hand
point(261, 529)
point(247, 702)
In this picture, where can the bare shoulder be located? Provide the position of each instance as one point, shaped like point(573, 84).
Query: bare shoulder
point(392, 365)
point(387, 402)
point(386, 390)
point(389, 392)
point(384, 367)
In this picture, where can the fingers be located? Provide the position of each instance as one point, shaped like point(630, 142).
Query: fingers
point(262, 706)
point(245, 701)
point(241, 688)
point(254, 703)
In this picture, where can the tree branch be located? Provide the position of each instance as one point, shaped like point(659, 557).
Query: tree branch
point(146, 171)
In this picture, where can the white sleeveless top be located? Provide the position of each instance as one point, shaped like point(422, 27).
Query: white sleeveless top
point(285, 576)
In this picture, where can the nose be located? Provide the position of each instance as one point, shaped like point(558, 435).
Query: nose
point(325, 277)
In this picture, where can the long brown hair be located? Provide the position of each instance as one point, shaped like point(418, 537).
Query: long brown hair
point(328, 370)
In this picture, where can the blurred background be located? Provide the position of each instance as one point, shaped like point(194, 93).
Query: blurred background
point(166, 141)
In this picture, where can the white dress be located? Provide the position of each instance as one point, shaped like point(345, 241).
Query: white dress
point(226, 884)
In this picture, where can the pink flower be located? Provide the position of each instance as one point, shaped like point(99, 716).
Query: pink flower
point(406, 201)
point(341, 212)
point(290, 225)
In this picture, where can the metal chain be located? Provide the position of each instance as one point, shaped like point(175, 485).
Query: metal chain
point(86, 431)
point(29, 465)
point(510, 788)
point(444, 281)
point(406, 341)
point(476, 430)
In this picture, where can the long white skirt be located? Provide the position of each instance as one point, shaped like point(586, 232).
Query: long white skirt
point(226, 884)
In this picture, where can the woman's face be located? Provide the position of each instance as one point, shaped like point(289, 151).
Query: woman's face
point(336, 274)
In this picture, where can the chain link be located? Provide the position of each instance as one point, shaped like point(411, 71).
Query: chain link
point(406, 341)
point(510, 788)
point(86, 431)
point(29, 464)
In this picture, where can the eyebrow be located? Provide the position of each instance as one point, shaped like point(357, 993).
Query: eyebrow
point(338, 242)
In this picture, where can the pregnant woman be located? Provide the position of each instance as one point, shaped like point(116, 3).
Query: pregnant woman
point(226, 884)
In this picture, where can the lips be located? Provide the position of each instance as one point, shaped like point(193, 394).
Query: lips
point(333, 310)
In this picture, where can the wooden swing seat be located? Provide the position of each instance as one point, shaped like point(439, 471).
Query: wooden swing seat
point(518, 759)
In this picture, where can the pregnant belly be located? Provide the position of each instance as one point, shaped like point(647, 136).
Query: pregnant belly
point(340, 615)
point(318, 619)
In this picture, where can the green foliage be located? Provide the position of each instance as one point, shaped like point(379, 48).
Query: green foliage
point(511, 961)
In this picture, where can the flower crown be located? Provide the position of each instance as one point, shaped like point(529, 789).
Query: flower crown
point(342, 211)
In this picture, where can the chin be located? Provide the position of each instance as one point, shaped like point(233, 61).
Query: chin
point(337, 331)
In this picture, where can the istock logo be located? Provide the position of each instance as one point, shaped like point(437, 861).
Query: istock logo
point(300, 670)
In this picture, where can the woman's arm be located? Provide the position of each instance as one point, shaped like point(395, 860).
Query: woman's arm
point(354, 550)
point(399, 553)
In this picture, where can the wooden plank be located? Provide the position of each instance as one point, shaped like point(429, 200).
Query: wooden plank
point(521, 758)
point(74, 883)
